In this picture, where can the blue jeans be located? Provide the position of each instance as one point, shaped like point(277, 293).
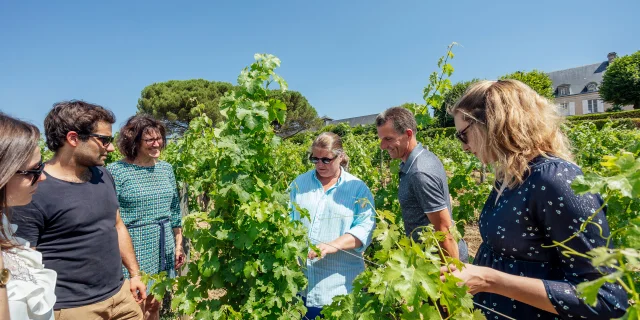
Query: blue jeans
point(312, 312)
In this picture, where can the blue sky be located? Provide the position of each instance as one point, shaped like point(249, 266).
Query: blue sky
point(349, 58)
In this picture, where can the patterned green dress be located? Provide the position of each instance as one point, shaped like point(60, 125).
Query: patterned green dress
point(150, 208)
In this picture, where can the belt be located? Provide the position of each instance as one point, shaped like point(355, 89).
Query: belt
point(161, 224)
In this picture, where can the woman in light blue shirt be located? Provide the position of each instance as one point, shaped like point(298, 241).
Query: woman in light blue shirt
point(340, 225)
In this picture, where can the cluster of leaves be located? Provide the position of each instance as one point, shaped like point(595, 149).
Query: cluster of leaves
point(591, 143)
point(621, 82)
point(615, 108)
point(245, 249)
point(442, 117)
point(175, 103)
point(46, 153)
point(300, 114)
point(403, 280)
point(618, 181)
point(435, 91)
point(598, 116)
point(537, 80)
point(467, 189)
point(291, 159)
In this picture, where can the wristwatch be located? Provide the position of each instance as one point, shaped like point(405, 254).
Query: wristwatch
point(5, 276)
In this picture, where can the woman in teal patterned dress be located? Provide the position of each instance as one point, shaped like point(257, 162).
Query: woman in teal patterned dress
point(149, 201)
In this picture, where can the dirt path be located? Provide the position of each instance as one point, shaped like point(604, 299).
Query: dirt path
point(472, 237)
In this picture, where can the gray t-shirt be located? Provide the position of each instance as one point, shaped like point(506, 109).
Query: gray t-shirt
point(424, 189)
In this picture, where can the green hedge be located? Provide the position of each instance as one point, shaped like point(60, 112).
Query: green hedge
point(630, 123)
point(625, 123)
point(623, 119)
point(607, 115)
point(432, 133)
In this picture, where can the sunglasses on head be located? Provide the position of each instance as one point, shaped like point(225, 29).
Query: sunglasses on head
point(105, 140)
point(35, 172)
point(462, 135)
point(315, 160)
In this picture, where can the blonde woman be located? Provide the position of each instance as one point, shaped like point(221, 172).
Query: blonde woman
point(509, 126)
point(26, 287)
point(340, 225)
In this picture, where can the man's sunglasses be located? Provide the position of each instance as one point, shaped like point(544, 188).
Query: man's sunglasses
point(105, 140)
point(462, 135)
point(36, 172)
point(315, 160)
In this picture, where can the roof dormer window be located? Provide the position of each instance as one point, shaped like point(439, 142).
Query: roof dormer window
point(563, 90)
point(592, 87)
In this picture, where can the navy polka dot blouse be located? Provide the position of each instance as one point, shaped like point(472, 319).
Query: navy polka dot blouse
point(544, 208)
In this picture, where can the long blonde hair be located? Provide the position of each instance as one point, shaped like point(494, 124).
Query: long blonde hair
point(332, 142)
point(514, 124)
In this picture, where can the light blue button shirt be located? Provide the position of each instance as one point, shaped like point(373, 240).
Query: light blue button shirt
point(341, 209)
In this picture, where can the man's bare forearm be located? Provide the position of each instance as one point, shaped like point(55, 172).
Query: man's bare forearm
point(126, 248)
point(450, 247)
point(177, 233)
point(441, 221)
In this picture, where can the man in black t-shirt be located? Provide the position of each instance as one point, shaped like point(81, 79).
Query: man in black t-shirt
point(74, 219)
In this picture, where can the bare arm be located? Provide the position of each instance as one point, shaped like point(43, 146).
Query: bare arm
point(138, 289)
point(177, 233)
point(441, 221)
point(126, 247)
point(526, 290)
point(179, 254)
point(344, 242)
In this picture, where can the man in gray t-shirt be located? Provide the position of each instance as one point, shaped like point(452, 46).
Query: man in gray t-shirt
point(423, 191)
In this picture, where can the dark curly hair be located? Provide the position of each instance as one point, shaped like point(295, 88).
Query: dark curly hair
point(75, 115)
point(132, 131)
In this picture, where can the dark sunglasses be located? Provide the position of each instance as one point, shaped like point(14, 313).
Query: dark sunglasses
point(105, 140)
point(315, 160)
point(462, 135)
point(36, 172)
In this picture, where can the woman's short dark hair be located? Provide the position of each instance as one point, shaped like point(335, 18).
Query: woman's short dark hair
point(131, 134)
point(75, 115)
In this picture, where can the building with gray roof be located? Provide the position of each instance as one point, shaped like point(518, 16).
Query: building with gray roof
point(576, 89)
point(576, 92)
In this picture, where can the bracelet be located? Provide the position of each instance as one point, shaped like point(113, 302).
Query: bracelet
point(133, 275)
